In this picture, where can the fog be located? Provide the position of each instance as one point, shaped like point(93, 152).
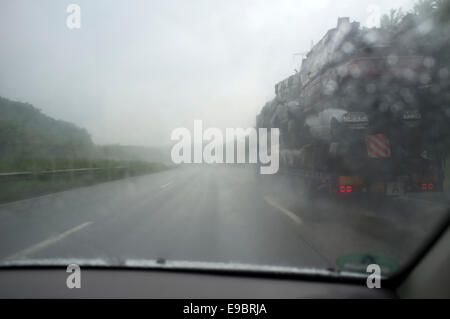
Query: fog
point(136, 70)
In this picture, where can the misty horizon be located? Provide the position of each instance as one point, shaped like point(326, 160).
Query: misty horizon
point(132, 76)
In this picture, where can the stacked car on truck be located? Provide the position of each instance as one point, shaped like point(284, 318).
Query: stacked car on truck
point(354, 118)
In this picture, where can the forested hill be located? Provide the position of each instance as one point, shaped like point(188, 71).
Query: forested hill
point(26, 132)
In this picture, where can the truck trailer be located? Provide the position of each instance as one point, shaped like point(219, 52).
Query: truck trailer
point(355, 118)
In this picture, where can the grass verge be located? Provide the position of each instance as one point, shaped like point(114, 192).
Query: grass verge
point(16, 188)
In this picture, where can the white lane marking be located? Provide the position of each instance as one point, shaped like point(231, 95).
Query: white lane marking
point(285, 211)
point(165, 185)
point(33, 249)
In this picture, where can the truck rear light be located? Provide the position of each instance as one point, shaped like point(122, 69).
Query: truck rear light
point(345, 189)
point(427, 187)
point(346, 183)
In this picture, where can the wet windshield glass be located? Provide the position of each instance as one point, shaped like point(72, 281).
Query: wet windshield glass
point(293, 136)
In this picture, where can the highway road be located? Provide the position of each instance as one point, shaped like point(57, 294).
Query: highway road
point(211, 214)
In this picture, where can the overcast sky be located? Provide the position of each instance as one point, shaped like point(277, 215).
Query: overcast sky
point(136, 70)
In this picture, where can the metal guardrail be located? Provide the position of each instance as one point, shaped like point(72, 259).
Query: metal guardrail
point(13, 175)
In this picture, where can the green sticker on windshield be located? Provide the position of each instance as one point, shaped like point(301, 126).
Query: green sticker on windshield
point(358, 262)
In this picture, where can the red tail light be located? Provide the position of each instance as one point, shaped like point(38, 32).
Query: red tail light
point(345, 188)
point(427, 187)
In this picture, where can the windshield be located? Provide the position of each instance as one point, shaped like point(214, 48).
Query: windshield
point(287, 136)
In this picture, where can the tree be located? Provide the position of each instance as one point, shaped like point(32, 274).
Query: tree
point(392, 20)
point(425, 8)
